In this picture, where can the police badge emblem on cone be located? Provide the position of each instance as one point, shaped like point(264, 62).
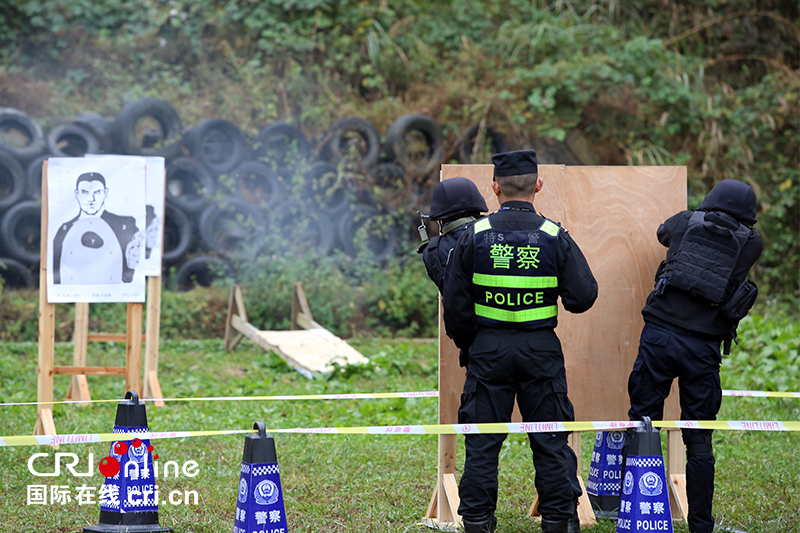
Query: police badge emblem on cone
point(259, 505)
point(604, 473)
point(128, 498)
point(644, 501)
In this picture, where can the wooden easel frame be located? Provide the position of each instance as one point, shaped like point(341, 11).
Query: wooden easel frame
point(79, 388)
point(443, 506)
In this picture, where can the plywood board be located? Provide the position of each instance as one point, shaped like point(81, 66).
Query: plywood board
point(314, 349)
point(612, 213)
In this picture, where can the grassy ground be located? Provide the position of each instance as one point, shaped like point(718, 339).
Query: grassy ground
point(339, 483)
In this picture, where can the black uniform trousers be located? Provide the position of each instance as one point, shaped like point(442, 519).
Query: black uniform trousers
point(663, 356)
point(505, 364)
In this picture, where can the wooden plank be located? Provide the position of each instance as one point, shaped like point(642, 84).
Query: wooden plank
point(612, 213)
point(152, 389)
point(451, 490)
point(152, 384)
point(679, 504)
point(133, 349)
point(585, 510)
point(232, 337)
point(111, 337)
point(90, 370)
point(314, 349)
point(676, 470)
point(47, 323)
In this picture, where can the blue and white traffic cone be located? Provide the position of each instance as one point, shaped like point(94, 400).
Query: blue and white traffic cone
point(128, 498)
point(644, 501)
point(604, 473)
point(259, 506)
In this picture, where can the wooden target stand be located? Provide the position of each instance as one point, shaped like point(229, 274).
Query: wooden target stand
point(133, 338)
point(612, 213)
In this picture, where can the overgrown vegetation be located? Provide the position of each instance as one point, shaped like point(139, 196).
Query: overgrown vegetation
point(710, 85)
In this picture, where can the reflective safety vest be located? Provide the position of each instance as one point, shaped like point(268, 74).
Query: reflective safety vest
point(515, 276)
point(702, 262)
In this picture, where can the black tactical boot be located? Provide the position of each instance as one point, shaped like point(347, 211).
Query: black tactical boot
point(549, 526)
point(574, 525)
point(484, 526)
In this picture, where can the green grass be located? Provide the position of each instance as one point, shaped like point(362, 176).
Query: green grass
point(339, 483)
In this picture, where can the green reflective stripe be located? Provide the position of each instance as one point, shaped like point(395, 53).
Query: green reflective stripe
point(549, 227)
point(515, 282)
point(526, 315)
point(482, 225)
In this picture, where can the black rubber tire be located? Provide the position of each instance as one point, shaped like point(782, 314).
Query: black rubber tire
point(72, 140)
point(389, 186)
point(416, 162)
point(302, 229)
point(126, 139)
point(189, 184)
point(233, 228)
point(14, 122)
point(257, 184)
point(15, 275)
point(323, 188)
point(178, 234)
point(20, 231)
point(284, 145)
point(497, 139)
point(33, 177)
point(359, 130)
point(219, 145)
point(202, 271)
point(362, 215)
point(12, 180)
point(99, 125)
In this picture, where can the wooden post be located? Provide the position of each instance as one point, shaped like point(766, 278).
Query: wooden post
point(133, 349)
point(676, 472)
point(47, 325)
point(236, 308)
point(152, 388)
point(79, 386)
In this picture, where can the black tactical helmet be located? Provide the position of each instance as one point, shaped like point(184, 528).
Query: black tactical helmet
point(454, 196)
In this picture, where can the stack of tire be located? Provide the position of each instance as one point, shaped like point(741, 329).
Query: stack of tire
point(230, 199)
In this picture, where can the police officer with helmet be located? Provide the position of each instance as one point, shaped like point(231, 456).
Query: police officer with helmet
point(500, 305)
point(456, 204)
point(701, 293)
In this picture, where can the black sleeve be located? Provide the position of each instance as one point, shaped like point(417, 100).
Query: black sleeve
point(576, 284)
point(667, 229)
point(457, 302)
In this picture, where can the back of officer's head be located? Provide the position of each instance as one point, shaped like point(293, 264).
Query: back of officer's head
point(733, 197)
point(456, 197)
point(516, 172)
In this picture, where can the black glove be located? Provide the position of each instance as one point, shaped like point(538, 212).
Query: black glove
point(463, 357)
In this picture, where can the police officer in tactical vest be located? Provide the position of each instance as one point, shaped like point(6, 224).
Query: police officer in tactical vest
point(700, 295)
point(500, 305)
point(456, 204)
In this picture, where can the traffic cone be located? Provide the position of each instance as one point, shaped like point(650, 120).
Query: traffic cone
point(604, 473)
point(644, 501)
point(259, 506)
point(128, 498)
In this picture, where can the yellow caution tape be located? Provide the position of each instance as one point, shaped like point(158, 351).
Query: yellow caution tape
point(352, 396)
point(433, 429)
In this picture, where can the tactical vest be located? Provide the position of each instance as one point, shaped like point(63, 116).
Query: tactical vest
point(702, 262)
point(515, 276)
